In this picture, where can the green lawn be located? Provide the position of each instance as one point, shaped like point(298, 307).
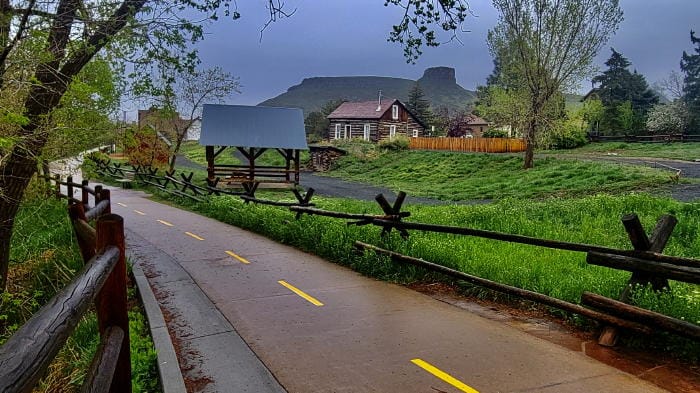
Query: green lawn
point(688, 151)
point(464, 176)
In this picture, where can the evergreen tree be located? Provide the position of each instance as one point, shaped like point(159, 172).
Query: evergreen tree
point(690, 65)
point(317, 122)
point(618, 87)
point(419, 105)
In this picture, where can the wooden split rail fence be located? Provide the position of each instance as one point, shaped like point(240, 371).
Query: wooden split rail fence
point(25, 357)
point(645, 261)
point(185, 187)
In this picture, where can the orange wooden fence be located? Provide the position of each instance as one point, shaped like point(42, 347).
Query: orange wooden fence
point(485, 145)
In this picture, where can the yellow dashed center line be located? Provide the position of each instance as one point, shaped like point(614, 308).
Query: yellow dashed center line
point(193, 235)
point(301, 293)
point(139, 212)
point(165, 223)
point(240, 258)
point(444, 376)
point(121, 204)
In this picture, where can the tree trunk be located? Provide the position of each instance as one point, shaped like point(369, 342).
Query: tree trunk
point(15, 175)
point(530, 144)
point(176, 149)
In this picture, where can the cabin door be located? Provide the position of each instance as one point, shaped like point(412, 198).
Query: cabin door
point(347, 134)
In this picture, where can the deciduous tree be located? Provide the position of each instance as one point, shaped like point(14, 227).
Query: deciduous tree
point(45, 44)
point(551, 45)
point(186, 96)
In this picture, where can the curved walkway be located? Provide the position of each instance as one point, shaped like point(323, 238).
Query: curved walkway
point(249, 314)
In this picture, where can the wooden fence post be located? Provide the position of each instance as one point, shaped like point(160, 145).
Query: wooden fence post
point(111, 301)
point(98, 194)
point(105, 195)
point(641, 242)
point(83, 194)
point(69, 187)
point(84, 233)
point(57, 179)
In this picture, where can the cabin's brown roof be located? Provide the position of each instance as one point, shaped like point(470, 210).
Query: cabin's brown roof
point(476, 120)
point(361, 110)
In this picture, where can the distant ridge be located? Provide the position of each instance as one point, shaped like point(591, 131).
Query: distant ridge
point(438, 83)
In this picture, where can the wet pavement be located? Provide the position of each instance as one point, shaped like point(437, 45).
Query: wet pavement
point(320, 327)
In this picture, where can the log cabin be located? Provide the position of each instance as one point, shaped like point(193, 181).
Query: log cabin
point(373, 121)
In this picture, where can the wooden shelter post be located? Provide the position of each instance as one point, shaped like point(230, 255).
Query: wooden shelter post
point(209, 152)
point(296, 166)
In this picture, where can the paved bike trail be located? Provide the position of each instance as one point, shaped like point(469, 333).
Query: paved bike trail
point(266, 317)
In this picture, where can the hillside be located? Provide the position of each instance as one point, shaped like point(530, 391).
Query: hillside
point(438, 83)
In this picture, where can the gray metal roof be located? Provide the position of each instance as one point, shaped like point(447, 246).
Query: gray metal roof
point(253, 126)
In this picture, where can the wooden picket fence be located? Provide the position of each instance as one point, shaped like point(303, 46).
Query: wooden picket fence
point(483, 145)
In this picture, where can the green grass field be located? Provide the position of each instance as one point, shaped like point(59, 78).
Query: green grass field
point(466, 176)
point(688, 151)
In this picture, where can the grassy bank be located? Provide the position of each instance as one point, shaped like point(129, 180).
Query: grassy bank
point(678, 151)
point(44, 259)
point(465, 176)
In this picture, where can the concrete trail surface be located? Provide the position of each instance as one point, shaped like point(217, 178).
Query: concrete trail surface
point(250, 315)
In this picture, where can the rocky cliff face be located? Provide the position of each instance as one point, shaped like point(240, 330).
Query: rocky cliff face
point(439, 75)
point(438, 83)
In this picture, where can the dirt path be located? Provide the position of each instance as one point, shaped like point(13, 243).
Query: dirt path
point(320, 327)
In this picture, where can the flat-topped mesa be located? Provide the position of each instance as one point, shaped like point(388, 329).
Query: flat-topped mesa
point(439, 75)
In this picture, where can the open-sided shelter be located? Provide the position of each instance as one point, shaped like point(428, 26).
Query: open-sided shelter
point(253, 130)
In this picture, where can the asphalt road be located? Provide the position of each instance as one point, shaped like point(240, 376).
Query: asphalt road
point(249, 314)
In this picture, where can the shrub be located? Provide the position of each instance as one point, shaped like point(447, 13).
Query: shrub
point(495, 134)
point(396, 144)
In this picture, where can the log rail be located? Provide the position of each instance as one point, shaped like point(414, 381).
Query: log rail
point(26, 355)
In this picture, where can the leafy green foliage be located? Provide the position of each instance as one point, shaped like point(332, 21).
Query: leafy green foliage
point(462, 176)
point(690, 65)
point(626, 96)
point(416, 27)
point(397, 143)
point(317, 123)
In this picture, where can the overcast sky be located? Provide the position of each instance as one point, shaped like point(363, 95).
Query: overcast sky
point(348, 37)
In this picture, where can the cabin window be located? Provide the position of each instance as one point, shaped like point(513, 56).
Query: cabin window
point(395, 112)
point(415, 133)
point(392, 131)
point(348, 132)
point(365, 135)
point(337, 131)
